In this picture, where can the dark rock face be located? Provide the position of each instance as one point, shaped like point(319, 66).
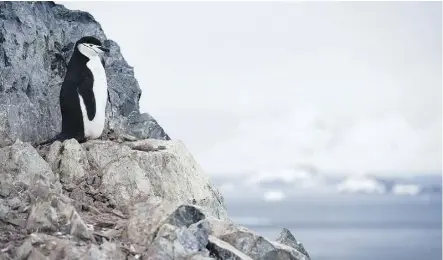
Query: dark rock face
point(36, 42)
point(222, 250)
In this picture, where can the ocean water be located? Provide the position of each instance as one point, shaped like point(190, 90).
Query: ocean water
point(351, 227)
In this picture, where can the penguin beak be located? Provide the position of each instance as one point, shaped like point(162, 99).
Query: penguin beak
point(103, 49)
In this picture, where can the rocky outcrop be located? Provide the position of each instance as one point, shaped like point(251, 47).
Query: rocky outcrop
point(36, 42)
point(121, 172)
point(146, 198)
point(286, 238)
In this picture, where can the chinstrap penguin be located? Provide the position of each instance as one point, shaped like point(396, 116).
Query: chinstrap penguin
point(84, 93)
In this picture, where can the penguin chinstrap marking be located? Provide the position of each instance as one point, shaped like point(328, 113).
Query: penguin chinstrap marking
point(84, 93)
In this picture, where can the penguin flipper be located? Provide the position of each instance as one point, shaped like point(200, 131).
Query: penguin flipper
point(87, 94)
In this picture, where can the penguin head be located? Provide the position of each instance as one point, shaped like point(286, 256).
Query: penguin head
point(90, 46)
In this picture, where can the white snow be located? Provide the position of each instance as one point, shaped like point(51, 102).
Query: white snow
point(406, 189)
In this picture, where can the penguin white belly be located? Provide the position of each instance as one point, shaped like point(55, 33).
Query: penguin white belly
point(93, 129)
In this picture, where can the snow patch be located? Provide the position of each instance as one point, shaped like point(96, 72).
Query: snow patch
point(300, 176)
point(406, 189)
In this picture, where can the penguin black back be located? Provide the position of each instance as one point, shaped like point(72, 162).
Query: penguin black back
point(78, 81)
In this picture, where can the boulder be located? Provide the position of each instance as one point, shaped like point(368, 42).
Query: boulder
point(123, 173)
point(22, 169)
point(148, 217)
point(69, 161)
point(124, 181)
point(222, 250)
point(130, 170)
point(252, 244)
point(172, 242)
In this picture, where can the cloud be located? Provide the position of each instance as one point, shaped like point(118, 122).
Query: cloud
point(274, 196)
point(361, 184)
point(273, 147)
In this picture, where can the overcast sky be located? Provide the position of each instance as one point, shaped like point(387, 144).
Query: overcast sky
point(348, 87)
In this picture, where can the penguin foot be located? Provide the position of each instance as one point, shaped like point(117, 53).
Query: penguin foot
point(60, 137)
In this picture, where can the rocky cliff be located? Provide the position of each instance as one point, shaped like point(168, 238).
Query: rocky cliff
point(104, 199)
point(36, 41)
